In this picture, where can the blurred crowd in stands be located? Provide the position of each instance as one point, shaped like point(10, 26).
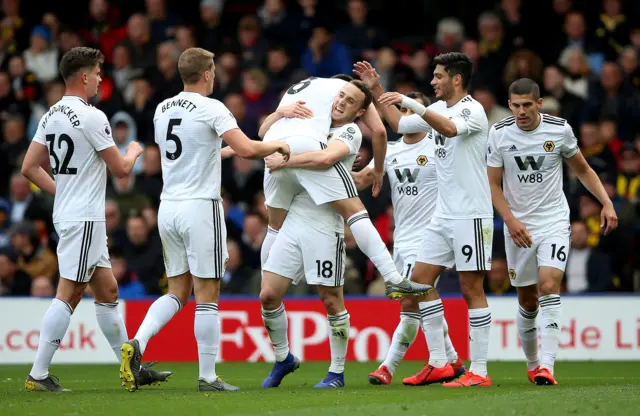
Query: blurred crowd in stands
point(584, 55)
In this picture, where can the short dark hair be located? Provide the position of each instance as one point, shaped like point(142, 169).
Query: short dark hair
point(525, 86)
point(417, 95)
point(78, 59)
point(456, 63)
point(368, 95)
point(343, 77)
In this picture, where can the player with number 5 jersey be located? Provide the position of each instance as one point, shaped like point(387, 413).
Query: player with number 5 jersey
point(525, 156)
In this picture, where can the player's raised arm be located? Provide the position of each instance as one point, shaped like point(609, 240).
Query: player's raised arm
point(32, 167)
point(370, 77)
point(372, 120)
point(252, 149)
point(297, 110)
point(589, 178)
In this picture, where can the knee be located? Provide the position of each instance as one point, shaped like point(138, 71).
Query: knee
point(471, 288)
point(529, 303)
point(107, 294)
point(332, 304)
point(409, 304)
point(549, 287)
point(269, 299)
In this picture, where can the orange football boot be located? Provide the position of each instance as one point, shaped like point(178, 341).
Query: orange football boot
point(458, 368)
point(430, 375)
point(532, 373)
point(380, 376)
point(544, 378)
point(469, 379)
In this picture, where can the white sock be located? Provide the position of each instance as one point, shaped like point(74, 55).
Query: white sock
point(479, 329)
point(206, 328)
point(112, 326)
point(550, 313)
point(277, 325)
point(269, 239)
point(160, 312)
point(404, 335)
point(339, 325)
point(371, 244)
point(432, 316)
point(528, 332)
point(452, 354)
point(52, 330)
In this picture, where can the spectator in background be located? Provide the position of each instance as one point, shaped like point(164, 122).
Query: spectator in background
point(238, 107)
point(307, 21)
point(279, 69)
point(9, 103)
point(149, 181)
point(14, 143)
point(419, 62)
point(359, 35)
point(209, 36)
point(325, 56)
point(630, 67)
point(15, 32)
point(39, 58)
point(554, 30)
point(570, 105)
point(25, 85)
point(123, 73)
point(575, 30)
point(5, 238)
point(449, 35)
point(144, 254)
point(165, 76)
point(116, 234)
point(24, 204)
point(523, 64)
point(238, 277)
point(53, 92)
point(129, 287)
point(129, 200)
point(514, 29)
point(574, 63)
point(588, 268)
point(277, 24)
point(185, 38)
point(162, 23)
point(494, 111)
point(259, 99)
point(242, 178)
point(70, 39)
point(141, 47)
point(626, 210)
point(251, 47)
point(227, 75)
point(13, 281)
point(233, 216)
point(125, 131)
point(385, 64)
point(103, 29)
point(610, 97)
point(596, 152)
point(254, 230)
point(609, 136)
point(42, 287)
point(628, 182)
point(150, 215)
point(612, 30)
point(34, 259)
point(494, 52)
point(142, 108)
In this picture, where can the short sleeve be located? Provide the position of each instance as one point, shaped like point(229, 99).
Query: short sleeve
point(469, 121)
point(39, 136)
point(494, 158)
point(97, 130)
point(412, 124)
point(221, 118)
point(569, 143)
point(352, 137)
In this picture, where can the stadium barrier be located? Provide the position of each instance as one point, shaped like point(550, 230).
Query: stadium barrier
point(595, 328)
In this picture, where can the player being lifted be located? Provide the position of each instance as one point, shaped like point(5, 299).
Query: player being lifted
point(333, 185)
point(410, 166)
point(310, 244)
point(77, 139)
point(188, 129)
point(461, 229)
point(525, 158)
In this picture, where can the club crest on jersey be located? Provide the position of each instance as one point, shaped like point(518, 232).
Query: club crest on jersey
point(329, 136)
point(549, 146)
point(422, 160)
point(91, 270)
point(351, 130)
point(466, 113)
point(512, 274)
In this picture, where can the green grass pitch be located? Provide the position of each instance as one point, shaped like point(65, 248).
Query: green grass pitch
point(586, 388)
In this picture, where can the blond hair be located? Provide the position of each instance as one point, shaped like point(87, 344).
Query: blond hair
point(192, 63)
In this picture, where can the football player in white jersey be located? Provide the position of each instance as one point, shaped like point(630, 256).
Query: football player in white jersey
point(460, 232)
point(310, 244)
point(333, 185)
point(189, 129)
point(77, 139)
point(526, 152)
point(410, 167)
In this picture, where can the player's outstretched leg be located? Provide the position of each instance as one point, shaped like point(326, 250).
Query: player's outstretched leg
point(274, 317)
point(339, 326)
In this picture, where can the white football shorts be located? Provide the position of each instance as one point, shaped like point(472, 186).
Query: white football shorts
point(549, 250)
point(465, 243)
point(194, 237)
point(82, 248)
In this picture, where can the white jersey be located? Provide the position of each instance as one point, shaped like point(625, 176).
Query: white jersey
point(461, 164)
point(414, 188)
point(75, 132)
point(532, 176)
point(188, 128)
point(323, 217)
point(318, 95)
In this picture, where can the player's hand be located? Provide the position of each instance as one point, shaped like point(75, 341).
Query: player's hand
point(366, 73)
point(390, 98)
point(135, 149)
point(357, 162)
point(519, 233)
point(608, 218)
point(377, 182)
point(274, 162)
point(284, 150)
point(297, 110)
